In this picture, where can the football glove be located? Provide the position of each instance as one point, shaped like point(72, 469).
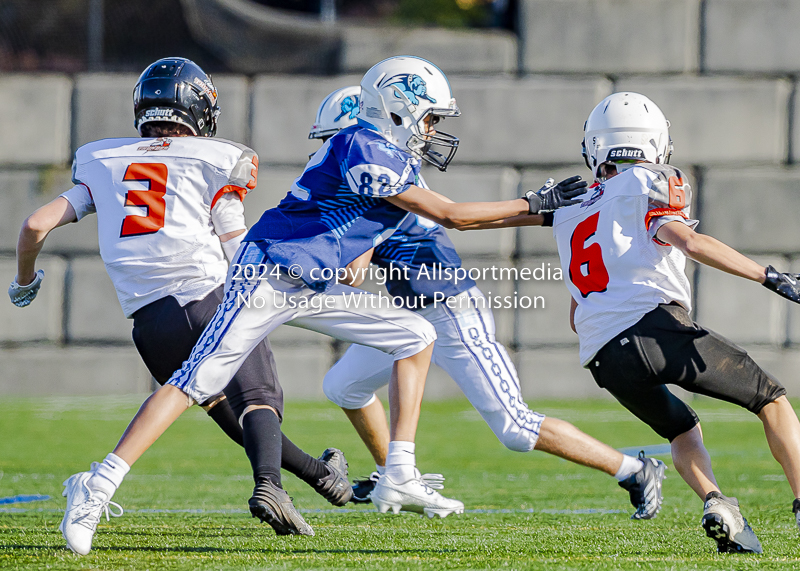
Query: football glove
point(554, 196)
point(22, 296)
point(785, 285)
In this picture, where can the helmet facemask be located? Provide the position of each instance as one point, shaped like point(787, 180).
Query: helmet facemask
point(431, 145)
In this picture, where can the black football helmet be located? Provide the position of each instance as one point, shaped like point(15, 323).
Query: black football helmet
point(176, 90)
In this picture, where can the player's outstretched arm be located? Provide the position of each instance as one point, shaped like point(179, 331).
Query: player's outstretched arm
point(480, 215)
point(456, 214)
point(710, 251)
point(522, 220)
point(35, 229)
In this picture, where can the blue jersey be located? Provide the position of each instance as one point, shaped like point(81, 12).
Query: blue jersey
point(422, 249)
point(335, 211)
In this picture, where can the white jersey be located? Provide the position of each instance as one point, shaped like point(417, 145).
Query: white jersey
point(154, 200)
point(615, 267)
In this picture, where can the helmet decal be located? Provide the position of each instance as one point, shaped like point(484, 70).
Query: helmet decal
point(349, 105)
point(207, 87)
point(412, 86)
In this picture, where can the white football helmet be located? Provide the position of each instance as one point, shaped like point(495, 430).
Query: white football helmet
point(625, 128)
point(398, 95)
point(337, 111)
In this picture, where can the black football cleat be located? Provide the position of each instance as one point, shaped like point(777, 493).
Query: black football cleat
point(362, 489)
point(273, 505)
point(335, 487)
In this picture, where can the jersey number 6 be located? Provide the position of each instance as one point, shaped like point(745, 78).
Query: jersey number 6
point(153, 199)
point(596, 277)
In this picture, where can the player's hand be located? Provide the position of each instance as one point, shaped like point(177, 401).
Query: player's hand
point(22, 296)
point(554, 196)
point(785, 285)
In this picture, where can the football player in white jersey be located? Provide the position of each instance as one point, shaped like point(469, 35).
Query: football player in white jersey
point(624, 251)
point(169, 213)
point(465, 347)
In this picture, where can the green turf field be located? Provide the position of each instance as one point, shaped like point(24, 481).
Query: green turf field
point(185, 501)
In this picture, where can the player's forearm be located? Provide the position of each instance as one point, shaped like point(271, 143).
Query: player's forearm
point(29, 245)
point(521, 220)
point(34, 231)
point(712, 252)
point(456, 214)
point(463, 215)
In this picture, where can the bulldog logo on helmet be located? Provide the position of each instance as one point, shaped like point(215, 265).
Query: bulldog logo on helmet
point(412, 86)
point(349, 105)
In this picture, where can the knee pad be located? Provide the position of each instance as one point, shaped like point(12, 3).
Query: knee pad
point(340, 393)
point(519, 439)
point(514, 435)
point(425, 335)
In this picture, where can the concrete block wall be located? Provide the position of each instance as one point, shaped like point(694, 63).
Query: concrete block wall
point(723, 71)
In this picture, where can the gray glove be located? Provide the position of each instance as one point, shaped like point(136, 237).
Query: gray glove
point(22, 296)
point(552, 197)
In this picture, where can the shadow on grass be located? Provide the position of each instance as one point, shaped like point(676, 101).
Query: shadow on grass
point(237, 551)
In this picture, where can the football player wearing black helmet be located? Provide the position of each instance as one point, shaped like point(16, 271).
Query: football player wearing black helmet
point(175, 100)
point(175, 90)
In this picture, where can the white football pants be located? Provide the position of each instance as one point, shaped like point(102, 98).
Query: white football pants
point(252, 308)
point(466, 349)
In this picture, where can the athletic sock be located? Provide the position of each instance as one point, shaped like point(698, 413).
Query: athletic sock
point(401, 461)
point(629, 466)
point(108, 475)
point(304, 466)
point(223, 415)
point(380, 469)
point(262, 444)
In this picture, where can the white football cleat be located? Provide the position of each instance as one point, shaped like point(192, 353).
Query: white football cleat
point(84, 510)
point(414, 495)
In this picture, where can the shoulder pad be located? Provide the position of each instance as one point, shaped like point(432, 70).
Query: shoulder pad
point(239, 146)
point(245, 172)
point(663, 171)
point(669, 188)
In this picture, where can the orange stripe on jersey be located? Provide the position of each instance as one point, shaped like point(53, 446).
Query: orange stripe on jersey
point(226, 189)
point(655, 213)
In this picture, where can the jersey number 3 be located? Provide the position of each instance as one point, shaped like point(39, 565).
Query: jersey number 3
point(153, 199)
point(595, 278)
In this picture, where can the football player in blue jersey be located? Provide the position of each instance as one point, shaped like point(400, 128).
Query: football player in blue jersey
point(465, 348)
point(353, 194)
